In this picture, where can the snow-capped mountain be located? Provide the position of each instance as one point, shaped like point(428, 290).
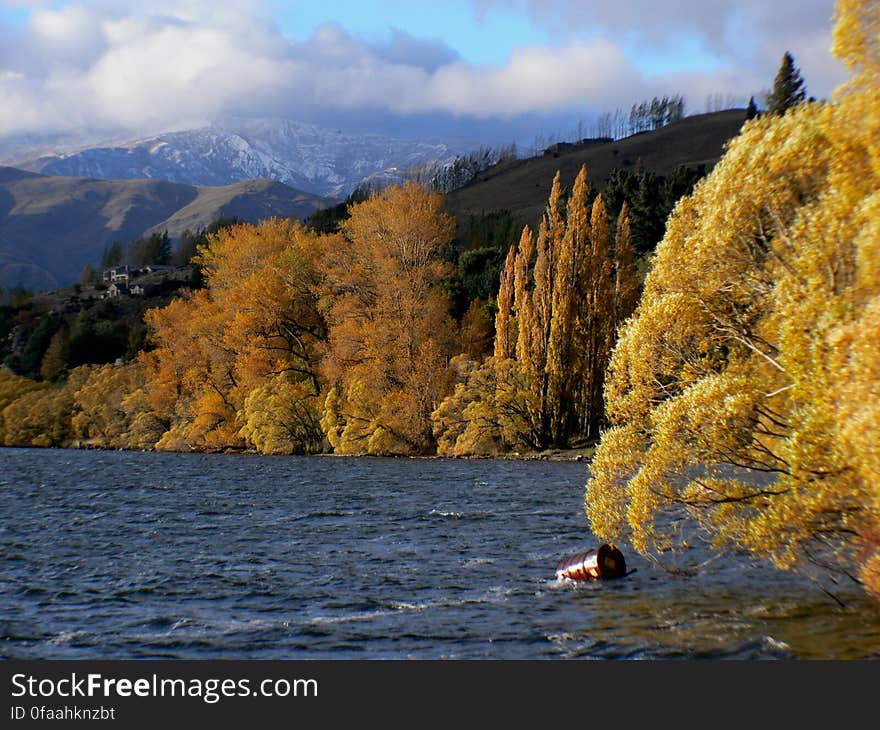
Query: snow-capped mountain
point(304, 156)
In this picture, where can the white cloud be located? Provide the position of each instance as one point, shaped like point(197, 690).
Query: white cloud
point(118, 67)
point(749, 35)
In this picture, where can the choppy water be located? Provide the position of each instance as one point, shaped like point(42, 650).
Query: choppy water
point(141, 555)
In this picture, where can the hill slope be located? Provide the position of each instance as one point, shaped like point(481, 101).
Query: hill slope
point(50, 227)
point(522, 186)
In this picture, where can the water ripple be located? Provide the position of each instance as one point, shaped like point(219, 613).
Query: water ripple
point(140, 555)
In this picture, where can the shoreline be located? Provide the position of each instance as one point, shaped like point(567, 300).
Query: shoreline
point(583, 454)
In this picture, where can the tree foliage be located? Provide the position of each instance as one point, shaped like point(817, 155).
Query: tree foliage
point(560, 294)
point(111, 410)
point(389, 329)
point(745, 388)
point(42, 416)
point(13, 387)
point(257, 319)
point(153, 249)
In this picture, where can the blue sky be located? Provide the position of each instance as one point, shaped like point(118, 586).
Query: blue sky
point(479, 35)
point(486, 39)
point(488, 70)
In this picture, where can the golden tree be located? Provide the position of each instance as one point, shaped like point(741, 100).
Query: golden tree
point(257, 320)
point(389, 330)
point(626, 277)
point(13, 387)
point(111, 409)
point(745, 389)
point(553, 334)
point(42, 416)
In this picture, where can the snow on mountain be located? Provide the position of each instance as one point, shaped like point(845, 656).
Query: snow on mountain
point(310, 158)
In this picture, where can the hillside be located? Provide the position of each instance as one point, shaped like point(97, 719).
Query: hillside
point(50, 227)
point(521, 186)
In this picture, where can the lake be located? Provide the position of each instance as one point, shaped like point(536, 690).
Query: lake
point(122, 555)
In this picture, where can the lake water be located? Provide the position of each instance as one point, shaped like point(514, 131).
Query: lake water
point(141, 555)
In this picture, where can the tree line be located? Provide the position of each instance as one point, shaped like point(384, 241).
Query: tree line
point(303, 341)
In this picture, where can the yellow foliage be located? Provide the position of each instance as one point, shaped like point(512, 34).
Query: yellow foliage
point(389, 329)
point(745, 387)
point(112, 410)
point(42, 417)
point(282, 417)
point(258, 320)
point(554, 328)
point(13, 387)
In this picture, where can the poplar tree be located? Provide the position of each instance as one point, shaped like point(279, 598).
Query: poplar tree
point(554, 330)
point(626, 277)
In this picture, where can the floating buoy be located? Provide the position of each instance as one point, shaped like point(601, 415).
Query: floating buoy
point(602, 564)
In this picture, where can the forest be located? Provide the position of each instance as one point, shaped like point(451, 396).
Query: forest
point(737, 383)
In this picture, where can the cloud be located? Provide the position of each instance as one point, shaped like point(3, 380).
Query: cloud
point(404, 49)
point(749, 35)
point(121, 68)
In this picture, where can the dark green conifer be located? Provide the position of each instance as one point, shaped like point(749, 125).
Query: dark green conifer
point(751, 109)
point(789, 89)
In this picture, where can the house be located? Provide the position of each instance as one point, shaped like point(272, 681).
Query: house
point(555, 149)
point(117, 289)
point(117, 274)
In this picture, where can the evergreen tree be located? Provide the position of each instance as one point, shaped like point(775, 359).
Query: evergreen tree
point(155, 249)
point(751, 109)
point(87, 276)
point(112, 256)
point(789, 89)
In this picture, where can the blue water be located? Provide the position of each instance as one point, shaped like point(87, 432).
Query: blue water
point(145, 555)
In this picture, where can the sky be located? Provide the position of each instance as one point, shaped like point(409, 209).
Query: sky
point(492, 71)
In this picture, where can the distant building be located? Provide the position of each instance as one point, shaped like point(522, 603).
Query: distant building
point(118, 274)
point(117, 289)
point(555, 149)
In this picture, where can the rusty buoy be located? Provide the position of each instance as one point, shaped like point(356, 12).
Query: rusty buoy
point(602, 564)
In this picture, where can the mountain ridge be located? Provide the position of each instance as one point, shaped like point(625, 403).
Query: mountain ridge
point(307, 157)
point(52, 226)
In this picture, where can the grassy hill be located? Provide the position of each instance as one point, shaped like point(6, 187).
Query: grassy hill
point(50, 227)
point(521, 186)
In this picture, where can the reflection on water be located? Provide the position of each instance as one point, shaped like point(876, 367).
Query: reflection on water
point(130, 555)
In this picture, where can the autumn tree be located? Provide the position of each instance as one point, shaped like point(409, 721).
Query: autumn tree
point(476, 330)
point(57, 355)
point(626, 276)
point(43, 416)
point(111, 409)
point(744, 390)
point(13, 387)
point(389, 330)
point(256, 322)
point(553, 333)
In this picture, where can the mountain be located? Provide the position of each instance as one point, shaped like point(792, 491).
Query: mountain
point(313, 159)
point(51, 226)
point(522, 186)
